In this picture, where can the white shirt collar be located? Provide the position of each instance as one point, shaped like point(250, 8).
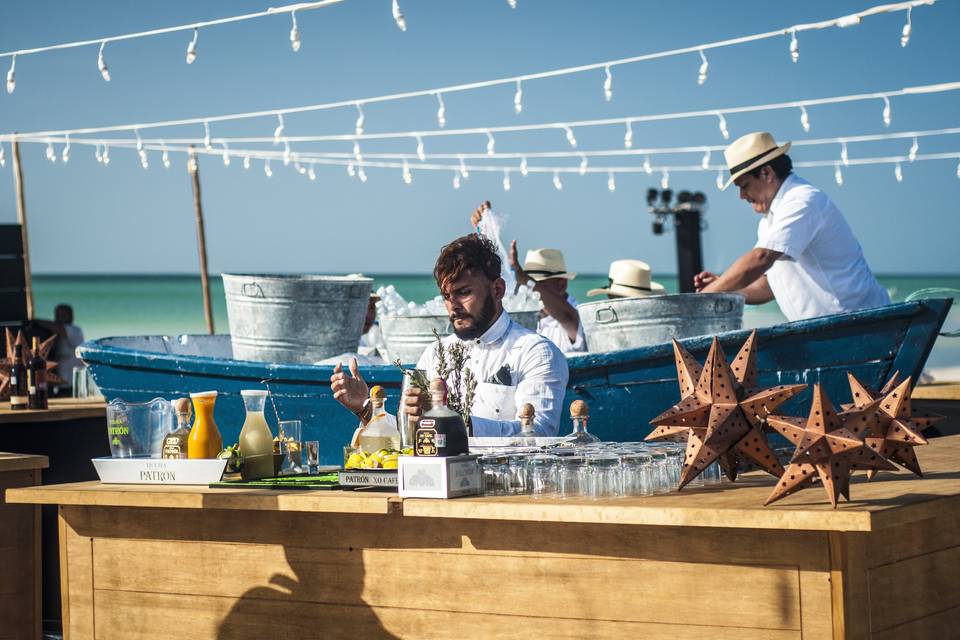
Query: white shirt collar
point(785, 186)
point(497, 330)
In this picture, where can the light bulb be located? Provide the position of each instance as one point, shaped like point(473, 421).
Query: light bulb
point(294, 33)
point(11, 76)
point(311, 173)
point(398, 16)
point(420, 153)
point(843, 154)
point(165, 156)
point(192, 47)
point(518, 98)
point(523, 166)
point(704, 65)
point(646, 165)
point(226, 153)
point(608, 84)
point(665, 179)
point(907, 28)
point(407, 177)
point(98, 154)
point(102, 63)
point(705, 161)
point(723, 126)
point(720, 180)
point(628, 136)
point(358, 127)
point(51, 154)
point(570, 138)
point(356, 151)
point(898, 172)
point(506, 181)
point(794, 47)
point(491, 144)
point(838, 174)
point(106, 154)
point(958, 164)
point(456, 180)
point(441, 112)
point(65, 155)
point(512, 3)
point(556, 181)
point(206, 135)
point(804, 119)
point(3, 157)
point(611, 182)
point(246, 162)
point(286, 153)
point(267, 171)
point(144, 161)
point(886, 112)
point(463, 169)
point(350, 170)
point(914, 148)
point(302, 170)
point(139, 141)
point(583, 165)
point(279, 130)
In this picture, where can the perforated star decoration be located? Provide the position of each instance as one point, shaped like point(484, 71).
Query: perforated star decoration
point(894, 430)
point(828, 447)
point(720, 413)
point(5, 363)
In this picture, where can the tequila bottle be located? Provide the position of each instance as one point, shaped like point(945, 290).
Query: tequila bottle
point(580, 414)
point(441, 431)
point(527, 436)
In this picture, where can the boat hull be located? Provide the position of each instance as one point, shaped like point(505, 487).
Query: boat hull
point(624, 389)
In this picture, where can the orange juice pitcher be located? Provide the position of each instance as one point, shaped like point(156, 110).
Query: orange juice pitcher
point(204, 440)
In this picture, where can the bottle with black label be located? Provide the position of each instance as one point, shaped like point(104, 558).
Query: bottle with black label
point(37, 379)
point(19, 395)
point(441, 431)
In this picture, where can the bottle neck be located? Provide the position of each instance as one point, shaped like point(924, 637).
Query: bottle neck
point(376, 406)
point(579, 425)
point(438, 398)
point(526, 426)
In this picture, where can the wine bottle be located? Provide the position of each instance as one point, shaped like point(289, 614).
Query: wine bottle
point(19, 395)
point(37, 397)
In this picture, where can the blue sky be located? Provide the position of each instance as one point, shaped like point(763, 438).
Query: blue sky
point(88, 218)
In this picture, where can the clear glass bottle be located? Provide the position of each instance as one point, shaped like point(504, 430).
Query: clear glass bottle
point(256, 440)
point(441, 431)
point(580, 414)
point(381, 432)
point(175, 442)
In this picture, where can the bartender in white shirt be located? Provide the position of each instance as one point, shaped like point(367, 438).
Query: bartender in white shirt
point(806, 255)
point(513, 365)
point(546, 268)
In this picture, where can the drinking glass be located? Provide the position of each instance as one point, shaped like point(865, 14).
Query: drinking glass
point(571, 476)
point(542, 474)
point(636, 468)
point(313, 455)
point(660, 472)
point(289, 434)
point(712, 474)
point(518, 473)
point(79, 382)
point(495, 469)
point(605, 475)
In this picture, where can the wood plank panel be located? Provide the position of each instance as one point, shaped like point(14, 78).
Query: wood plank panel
point(906, 591)
point(76, 574)
point(259, 615)
point(938, 625)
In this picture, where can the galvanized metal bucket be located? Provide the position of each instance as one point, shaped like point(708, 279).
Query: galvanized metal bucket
point(627, 323)
point(406, 337)
point(295, 318)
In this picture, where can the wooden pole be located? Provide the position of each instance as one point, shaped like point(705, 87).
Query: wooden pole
point(201, 239)
point(22, 219)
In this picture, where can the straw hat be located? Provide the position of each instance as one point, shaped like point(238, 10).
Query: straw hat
point(629, 279)
point(751, 151)
point(543, 264)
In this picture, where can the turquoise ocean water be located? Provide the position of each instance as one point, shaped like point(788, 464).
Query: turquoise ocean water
point(118, 305)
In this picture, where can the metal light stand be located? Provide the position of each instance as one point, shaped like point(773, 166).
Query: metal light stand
point(686, 216)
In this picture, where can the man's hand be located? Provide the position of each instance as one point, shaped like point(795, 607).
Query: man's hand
point(477, 215)
point(349, 389)
point(414, 402)
point(702, 279)
point(514, 258)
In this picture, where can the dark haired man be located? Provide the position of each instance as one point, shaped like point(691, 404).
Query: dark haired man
point(806, 255)
point(512, 365)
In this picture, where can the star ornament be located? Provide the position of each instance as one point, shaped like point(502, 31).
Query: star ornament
point(828, 448)
point(895, 430)
point(711, 414)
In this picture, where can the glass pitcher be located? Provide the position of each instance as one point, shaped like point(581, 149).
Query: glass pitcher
point(136, 429)
point(205, 440)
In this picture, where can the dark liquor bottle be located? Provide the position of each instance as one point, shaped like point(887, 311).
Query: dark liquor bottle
point(37, 379)
point(441, 431)
point(18, 381)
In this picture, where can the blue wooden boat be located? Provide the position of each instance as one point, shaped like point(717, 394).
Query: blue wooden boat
point(624, 389)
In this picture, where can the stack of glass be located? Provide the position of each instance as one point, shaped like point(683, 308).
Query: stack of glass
point(595, 470)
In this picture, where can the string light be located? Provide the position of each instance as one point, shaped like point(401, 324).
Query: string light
point(294, 33)
point(226, 153)
point(898, 172)
point(583, 165)
point(628, 136)
point(958, 165)
point(286, 152)
point(192, 47)
point(611, 182)
point(441, 112)
point(556, 181)
point(165, 157)
point(456, 180)
point(907, 28)
point(886, 112)
point(723, 126)
point(279, 130)
point(407, 176)
point(523, 166)
point(102, 63)
point(246, 161)
point(491, 144)
point(705, 161)
point(11, 75)
point(570, 138)
point(144, 161)
point(420, 153)
point(463, 169)
point(665, 179)
point(648, 169)
point(804, 119)
point(794, 47)
point(350, 170)
point(106, 155)
point(608, 84)
point(358, 128)
point(298, 167)
point(720, 180)
point(3, 157)
point(518, 99)
point(848, 21)
point(98, 154)
point(311, 173)
point(843, 154)
point(65, 154)
point(398, 16)
point(267, 171)
point(512, 3)
point(838, 174)
point(506, 180)
point(704, 65)
point(356, 151)
point(914, 148)
point(206, 135)
point(51, 154)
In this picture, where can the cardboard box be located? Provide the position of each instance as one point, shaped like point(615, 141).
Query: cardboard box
point(453, 477)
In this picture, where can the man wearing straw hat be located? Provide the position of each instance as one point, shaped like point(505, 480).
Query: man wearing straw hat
point(629, 279)
point(806, 256)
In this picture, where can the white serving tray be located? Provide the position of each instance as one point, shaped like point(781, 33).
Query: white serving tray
point(158, 471)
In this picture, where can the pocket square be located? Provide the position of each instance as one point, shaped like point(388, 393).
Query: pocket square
point(501, 377)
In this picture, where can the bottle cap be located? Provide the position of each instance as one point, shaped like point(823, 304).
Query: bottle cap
point(378, 393)
point(579, 409)
point(438, 385)
point(526, 412)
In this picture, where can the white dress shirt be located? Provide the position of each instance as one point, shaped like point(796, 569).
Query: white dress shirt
point(553, 331)
point(822, 270)
point(513, 366)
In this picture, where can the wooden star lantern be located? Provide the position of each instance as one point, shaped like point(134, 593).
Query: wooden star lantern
point(894, 430)
point(5, 363)
point(720, 413)
point(828, 447)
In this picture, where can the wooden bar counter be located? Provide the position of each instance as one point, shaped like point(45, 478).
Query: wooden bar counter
point(197, 563)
